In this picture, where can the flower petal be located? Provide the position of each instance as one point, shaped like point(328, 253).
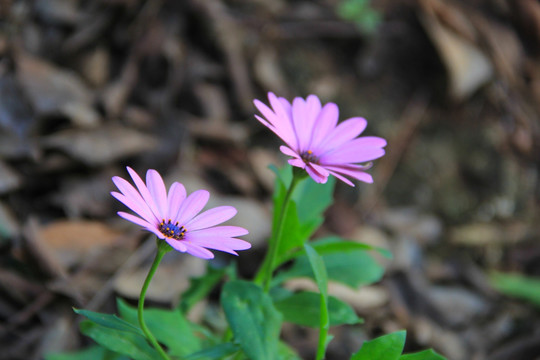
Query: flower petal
point(353, 152)
point(356, 174)
point(193, 204)
point(222, 244)
point(131, 193)
point(198, 251)
point(219, 231)
point(143, 190)
point(326, 121)
point(157, 190)
point(176, 244)
point(177, 194)
point(344, 132)
point(141, 222)
point(315, 175)
point(289, 152)
point(211, 217)
point(342, 178)
point(137, 206)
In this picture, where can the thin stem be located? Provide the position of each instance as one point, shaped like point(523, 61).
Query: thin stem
point(323, 332)
point(270, 261)
point(162, 250)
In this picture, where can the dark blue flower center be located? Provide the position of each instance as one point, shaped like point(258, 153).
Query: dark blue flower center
point(309, 157)
point(171, 230)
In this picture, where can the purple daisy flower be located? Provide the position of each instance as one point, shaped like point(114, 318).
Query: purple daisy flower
point(173, 216)
point(315, 140)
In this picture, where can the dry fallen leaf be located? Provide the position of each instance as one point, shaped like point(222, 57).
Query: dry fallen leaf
point(101, 145)
point(71, 242)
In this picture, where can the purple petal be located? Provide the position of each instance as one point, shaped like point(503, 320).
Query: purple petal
point(211, 217)
point(222, 244)
point(344, 132)
point(176, 244)
point(143, 190)
point(326, 121)
point(193, 204)
point(316, 176)
point(301, 123)
point(342, 178)
point(282, 110)
point(136, 206)
point(157, 189)
point(280, 127)
point(141, 222)
point(289, 152)
point(177, 194)
point(298, 163)
point(219, 231)
point(130, 193)
point(356, 174)
point(353, 152)
point(198, 251)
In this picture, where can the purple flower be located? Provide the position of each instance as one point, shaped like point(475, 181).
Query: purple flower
point(173, 216)
point(315, 140)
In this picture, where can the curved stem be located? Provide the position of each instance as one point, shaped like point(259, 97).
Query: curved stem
point(269, 263)
point(162, 250)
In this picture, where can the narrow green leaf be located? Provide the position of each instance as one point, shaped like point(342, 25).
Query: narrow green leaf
point(123, 342)
point(386, 347)
point(253, 319)
point(423, 355)
point(352, 268)
point(217, 352)
point(285, 352)
point(303, 308)
point(109, 321)
point(519, 286)
point(318, 268)
point(170, 328)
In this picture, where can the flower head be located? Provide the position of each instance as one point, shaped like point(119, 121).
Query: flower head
point(173, 216)
point(316, 142)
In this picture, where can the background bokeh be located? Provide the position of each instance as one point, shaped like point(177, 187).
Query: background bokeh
point(89, 87)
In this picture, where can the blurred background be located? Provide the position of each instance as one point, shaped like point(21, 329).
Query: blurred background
point(89, 87)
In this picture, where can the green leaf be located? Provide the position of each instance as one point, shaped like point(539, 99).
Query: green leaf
point(200, 287)
point(423, 355)
point(352, 268)
point(170, 327)
point(123, 342)
point(516, 285)
point(253, 319)
point(318, 268)
point(285, 352)
point(386, 347)
point(95, 352)
point(217, 352)
point(304, 214)
point(335, 244)
point(303, 308)
point(109, 321)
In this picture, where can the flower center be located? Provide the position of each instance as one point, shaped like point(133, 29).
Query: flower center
point(309, 157)
point(171, 230)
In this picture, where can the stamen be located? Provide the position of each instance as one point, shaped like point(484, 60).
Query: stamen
point(171, 230)
point(309, 157)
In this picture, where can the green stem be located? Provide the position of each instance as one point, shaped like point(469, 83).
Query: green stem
point(324, 325)
point(163, 248)
point(270, 261)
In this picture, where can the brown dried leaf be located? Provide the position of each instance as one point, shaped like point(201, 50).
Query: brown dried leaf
point(53, 90)
point(101, 145)
point(71, 242)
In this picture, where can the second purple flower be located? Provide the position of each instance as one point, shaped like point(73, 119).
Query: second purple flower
point(317, 143)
